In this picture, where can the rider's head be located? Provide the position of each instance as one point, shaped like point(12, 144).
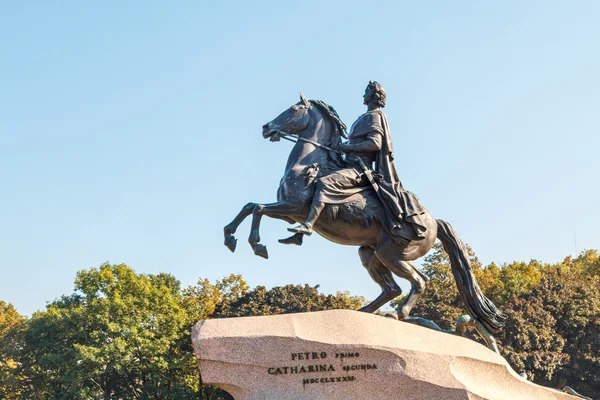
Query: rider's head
point(374, 93)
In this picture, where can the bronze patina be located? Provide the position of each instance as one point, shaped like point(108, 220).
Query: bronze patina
point(350, 194)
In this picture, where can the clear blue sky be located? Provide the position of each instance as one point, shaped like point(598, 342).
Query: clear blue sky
point(131, 131)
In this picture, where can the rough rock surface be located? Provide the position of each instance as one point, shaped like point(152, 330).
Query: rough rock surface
point(344, 354)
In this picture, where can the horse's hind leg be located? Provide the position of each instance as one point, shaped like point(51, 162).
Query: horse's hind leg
point(417, 287)
point(382, 276)
point(387, 254)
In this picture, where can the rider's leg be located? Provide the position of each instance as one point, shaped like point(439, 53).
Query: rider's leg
point(306, 227)
point(280, 210)
point(336, 183)
point(294, 239)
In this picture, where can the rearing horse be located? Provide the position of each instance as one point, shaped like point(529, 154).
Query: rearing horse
point(359, 222)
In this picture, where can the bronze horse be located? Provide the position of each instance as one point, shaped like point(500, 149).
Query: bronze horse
point(319, 131)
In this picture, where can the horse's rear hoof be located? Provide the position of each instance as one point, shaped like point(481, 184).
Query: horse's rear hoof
point(261, 251)
point(230, 242)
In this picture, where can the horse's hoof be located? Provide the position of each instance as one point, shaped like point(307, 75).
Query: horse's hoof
point(403, 315)
point(463, 322)
point(261, 251)
point(230, 242)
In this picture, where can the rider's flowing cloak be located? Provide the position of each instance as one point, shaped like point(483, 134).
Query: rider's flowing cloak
point(402, 210)
point(399, 204)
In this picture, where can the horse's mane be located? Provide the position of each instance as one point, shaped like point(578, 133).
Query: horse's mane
point(329, 111)
point(340, 128)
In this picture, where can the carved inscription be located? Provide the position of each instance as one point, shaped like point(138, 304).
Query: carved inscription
point(302, 369)
point(322, 363)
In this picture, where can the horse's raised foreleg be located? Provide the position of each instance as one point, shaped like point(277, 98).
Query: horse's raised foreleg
point(280, 210)
point(229, 230)
point(382, 276)
point(387, 252)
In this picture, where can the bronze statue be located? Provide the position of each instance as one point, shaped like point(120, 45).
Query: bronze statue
point(369, 142)
point(348, 202)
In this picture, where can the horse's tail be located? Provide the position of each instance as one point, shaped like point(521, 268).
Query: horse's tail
point(478, 305)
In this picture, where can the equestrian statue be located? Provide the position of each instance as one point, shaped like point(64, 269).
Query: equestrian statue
point(350, 194)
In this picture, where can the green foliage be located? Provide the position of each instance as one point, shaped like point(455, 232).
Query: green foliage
point(529, 341)
point(123, 335)
point(553, 329)
point(11, 326)
point(554, 333)
point(126, 335)
point(120, 335)
point(203, 299)
point(286, 299)
point(10, 319)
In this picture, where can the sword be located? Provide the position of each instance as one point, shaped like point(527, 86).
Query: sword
point(368, 173)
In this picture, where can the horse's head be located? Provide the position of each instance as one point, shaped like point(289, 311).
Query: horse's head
point(292, 121)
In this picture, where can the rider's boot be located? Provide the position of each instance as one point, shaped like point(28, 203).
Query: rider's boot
point(294, 239)
point(306, 227)
point(303, 228)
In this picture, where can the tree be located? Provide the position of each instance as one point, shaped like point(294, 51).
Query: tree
point(553, 327)
point(11, 326)
point(553, 332)
point(529, 341)
point(118, 336)
point(127, 335)
point(286, 299)
point(204, 298)
point(200, 302)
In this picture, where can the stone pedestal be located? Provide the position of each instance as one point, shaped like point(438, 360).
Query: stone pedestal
point(345, 355)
